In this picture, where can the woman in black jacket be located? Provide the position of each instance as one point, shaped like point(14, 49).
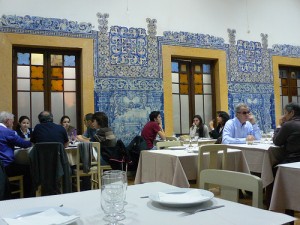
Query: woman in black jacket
point(222, 118)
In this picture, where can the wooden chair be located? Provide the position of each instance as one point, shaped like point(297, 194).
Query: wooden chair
point(17, 181)
point(213, 156)
point(166, 144)
point(231, 182)
point(95, 170)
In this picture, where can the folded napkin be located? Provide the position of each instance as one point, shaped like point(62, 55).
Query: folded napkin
point(187, 197)
point(47, 217)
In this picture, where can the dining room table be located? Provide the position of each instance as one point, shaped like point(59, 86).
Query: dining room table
point(261, 158)
point(141, 209)
point(178, 167)
point(286, 194)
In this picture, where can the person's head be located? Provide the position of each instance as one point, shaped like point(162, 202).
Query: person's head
point(88, 120)
point(100, 120)
point(65, 121)
point(45, 117)
point(197, 120)
point(222, 117)
point(155, 116)
point(7, 119)
point(24, 123)
point(242, 112)
point(290, 110)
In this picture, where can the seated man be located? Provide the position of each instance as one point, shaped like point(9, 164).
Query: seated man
point(8, 140)
point(288, 134)
point(47, 131)
point(90, 131)
point(241, 128)
point(152, 129)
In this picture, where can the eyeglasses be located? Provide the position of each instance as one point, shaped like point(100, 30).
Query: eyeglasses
point(244, 113)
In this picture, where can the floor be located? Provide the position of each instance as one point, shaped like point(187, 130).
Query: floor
point(244, 200)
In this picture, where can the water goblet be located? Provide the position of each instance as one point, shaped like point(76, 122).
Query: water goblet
point(112, 196)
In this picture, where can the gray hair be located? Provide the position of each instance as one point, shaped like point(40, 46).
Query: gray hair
point(293, 106)
point(239, 106)
point(4, 116)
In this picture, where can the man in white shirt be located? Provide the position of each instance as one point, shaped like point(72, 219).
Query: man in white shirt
point(242, 127)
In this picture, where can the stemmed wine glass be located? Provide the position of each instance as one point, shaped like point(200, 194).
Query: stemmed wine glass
point(112, 197)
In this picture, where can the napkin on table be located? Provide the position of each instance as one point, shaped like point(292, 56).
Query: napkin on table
point(47, 217)
point(187, 197)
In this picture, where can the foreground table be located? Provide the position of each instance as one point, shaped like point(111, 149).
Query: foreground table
point(260, 158)
point(177, 167)
point(286, 194)
point(142, 211)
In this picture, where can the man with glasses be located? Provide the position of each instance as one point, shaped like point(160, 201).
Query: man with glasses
point(242, 127)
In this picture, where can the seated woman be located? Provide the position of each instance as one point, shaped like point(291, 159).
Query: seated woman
point(23, 128)
point(222, 118)
point(71, 131)
point(198, 128)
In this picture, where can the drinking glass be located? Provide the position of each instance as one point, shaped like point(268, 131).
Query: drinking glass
point(112, 197)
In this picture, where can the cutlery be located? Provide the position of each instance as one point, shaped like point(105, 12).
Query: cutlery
point(205, 209)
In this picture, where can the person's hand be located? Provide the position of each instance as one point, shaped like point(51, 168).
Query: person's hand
point(282, 120)
point(250, 138)
point(211, 124)
point(252, 119)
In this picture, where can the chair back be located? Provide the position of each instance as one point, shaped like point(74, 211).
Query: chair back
point(210, 154)
point(166, 144)
point(49, 168)
point(231, 182)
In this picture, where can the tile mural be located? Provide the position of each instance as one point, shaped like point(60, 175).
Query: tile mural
point(128, 67)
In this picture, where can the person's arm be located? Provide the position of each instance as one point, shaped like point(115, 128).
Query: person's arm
point(281, 135)
point(228, 134)
point(16, 140)
point(161, 133)
point(254, 130)
point(205, 131)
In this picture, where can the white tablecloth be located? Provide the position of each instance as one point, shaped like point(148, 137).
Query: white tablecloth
point(286, 194)
point(177, 167)
point(142, 211)
point(260, 158)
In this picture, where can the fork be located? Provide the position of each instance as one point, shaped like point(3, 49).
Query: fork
point(205, 209)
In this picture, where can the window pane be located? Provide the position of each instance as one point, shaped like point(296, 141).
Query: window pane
point(37, 72)
point(206, 89)
point(185, 121)
point(23, 104)
point(37, 59)
point(294, 91)
point(175, 88)
point(37, 84)
point(183, 78)
point(69, 73)
point(206, 79)
point(23, 58)
point(56, 73)
point(176, 114)
point(198, 78)
point(282, 73)
point(56, 60)
point(298, 83)
point(284, 91)
point(175, 67)
point(206, 68)
point(37, 106)
point(69, 60)
point(197, 69)
point(57, 85)
point(57, 106)
point(23, 84)
point(294, 99)
point(293, 82)
point(284, 82)
point(183, 68)
point(70, 85)
point(175, 78)
point(208, 108)
point(198, 89)
point(199, 104)
point(23, 71)
point(184, 89)
point(70, 107)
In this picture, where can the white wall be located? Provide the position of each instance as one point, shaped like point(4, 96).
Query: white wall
point(279, 19)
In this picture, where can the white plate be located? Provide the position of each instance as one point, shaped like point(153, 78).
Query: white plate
point(207, 196)
point(29, 212)
point(177, 147)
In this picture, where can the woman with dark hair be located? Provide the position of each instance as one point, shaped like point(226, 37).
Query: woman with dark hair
point(198, 128)
point(23, 128)
point(222, 118)
point(71, 131)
